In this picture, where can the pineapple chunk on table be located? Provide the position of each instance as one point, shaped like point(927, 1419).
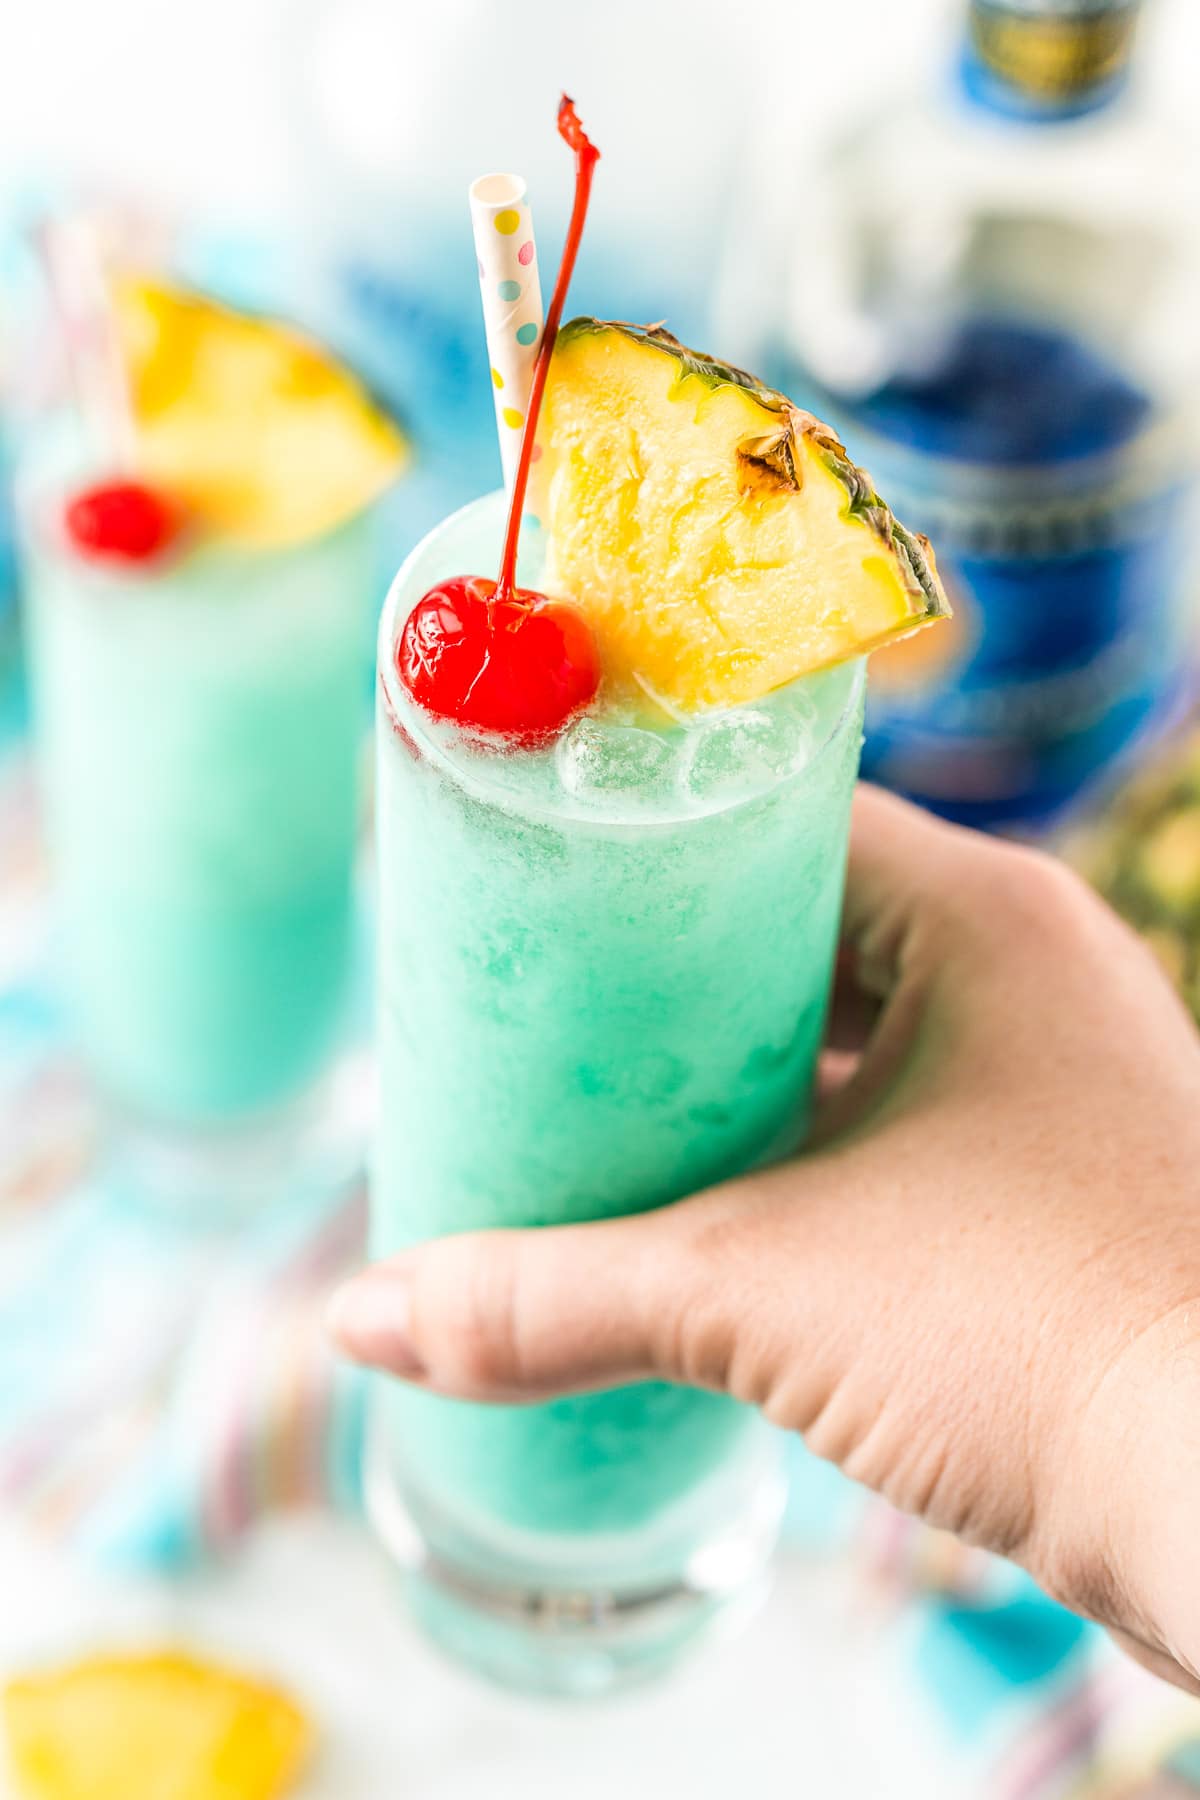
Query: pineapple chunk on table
point(158, 1726)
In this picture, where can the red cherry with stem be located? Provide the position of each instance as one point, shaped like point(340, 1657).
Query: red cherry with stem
point(490, 654)
point(122, 520)
point(520, 666)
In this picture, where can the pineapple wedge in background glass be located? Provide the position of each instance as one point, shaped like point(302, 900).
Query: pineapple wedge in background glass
point(201, 702)
point(1143, 854)
point(262, 436)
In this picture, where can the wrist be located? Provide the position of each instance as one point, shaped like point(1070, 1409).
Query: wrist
point(1122, 1544)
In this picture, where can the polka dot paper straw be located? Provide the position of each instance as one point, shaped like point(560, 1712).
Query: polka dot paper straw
point(512, 301)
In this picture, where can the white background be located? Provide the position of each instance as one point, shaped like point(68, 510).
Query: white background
point(187, 101)
point(810, 1701)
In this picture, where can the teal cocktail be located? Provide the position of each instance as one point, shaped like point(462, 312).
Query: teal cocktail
point(199, 733)
point(201, 571)
point(604, 970)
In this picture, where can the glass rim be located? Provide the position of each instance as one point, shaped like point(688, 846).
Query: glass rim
point(402, 712)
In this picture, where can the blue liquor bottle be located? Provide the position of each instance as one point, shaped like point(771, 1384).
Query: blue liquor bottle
point(992, 289)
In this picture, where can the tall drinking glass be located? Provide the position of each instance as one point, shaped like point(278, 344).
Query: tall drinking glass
point(200, 727)
point(604, 971)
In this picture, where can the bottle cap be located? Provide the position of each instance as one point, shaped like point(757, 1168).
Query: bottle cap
point(1048, 59)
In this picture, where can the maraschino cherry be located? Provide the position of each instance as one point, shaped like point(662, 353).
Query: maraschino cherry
point(123, 520)
point(487, 653)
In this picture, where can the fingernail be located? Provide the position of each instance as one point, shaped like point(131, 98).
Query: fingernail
point(369, 1317)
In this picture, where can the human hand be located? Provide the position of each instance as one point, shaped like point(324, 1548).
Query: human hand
point(977, 1289)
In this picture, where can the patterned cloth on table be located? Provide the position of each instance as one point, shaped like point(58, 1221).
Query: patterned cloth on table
point(161, 1389)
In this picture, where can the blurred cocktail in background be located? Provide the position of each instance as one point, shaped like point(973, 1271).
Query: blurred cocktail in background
point(201, 600)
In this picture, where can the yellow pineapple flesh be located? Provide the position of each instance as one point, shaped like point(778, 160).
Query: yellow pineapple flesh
point(263, 438)
point(157, 1726)
point(719, 540)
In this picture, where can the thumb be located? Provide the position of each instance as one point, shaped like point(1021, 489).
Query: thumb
point(519, 1315)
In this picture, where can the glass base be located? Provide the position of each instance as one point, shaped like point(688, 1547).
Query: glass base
point(566, 1625)
point(222, 1175)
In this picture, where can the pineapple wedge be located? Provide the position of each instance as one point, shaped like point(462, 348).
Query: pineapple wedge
point(719, 540)
point(264, 438)
point(161, 1726)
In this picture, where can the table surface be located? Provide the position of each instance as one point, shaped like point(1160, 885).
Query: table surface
point(803, 1701)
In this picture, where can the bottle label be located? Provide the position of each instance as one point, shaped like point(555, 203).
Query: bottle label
point(1058, 656)
point(1048, 58)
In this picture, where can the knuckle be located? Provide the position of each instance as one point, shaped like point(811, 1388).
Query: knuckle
point(1036, 893)
point(475, 1309)
point(690, 1325)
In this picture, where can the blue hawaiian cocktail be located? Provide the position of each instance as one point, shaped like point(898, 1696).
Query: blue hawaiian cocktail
point(604, 968)
point(199, 734)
